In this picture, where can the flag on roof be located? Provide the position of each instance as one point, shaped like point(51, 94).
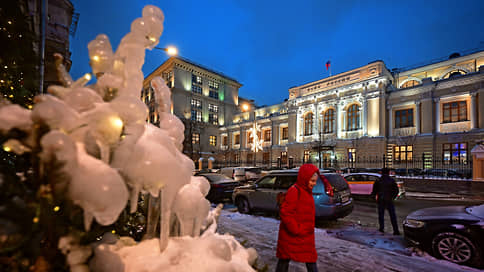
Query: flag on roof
point(328, 64)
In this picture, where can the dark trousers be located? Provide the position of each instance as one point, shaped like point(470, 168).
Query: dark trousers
point(382, 205)
point(283, 266)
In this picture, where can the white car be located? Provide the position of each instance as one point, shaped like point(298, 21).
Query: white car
point(362, 183)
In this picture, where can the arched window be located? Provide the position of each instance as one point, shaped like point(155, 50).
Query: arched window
point(410, 83)
point(328, 121)
point(454, 73)
point(353, 117)
point(308, 124)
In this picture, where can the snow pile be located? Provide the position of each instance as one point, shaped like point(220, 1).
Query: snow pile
point(213, 252)
point(98, 136)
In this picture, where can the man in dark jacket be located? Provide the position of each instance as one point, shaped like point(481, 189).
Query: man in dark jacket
point(385, 190)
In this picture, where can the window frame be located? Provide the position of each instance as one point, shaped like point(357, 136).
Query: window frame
point(212, 140)
point(402, 153)
point(308, 124)
point(404, 113)
point(329, 121)
point(449, 108)
point(450, 148)
point(353, 117)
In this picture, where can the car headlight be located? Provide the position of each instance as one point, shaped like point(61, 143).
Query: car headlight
point(411, 223)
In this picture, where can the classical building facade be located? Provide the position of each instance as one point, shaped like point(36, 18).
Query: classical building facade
point(434, 113)
point(202, 98)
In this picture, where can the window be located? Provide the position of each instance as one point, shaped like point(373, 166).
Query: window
point(308, 124)
point(236, 158)
point(285, 133)
point(352, 154)
point(196, 79)
point(454, 73)
point(212, 107)
point(267, 182)
point(196, 116)
point(328, 121)
point(249, 138)
point(307, 155)
point(196, 89)
point(213, 118)
point(410, 83)
point(404, 118)
point(250, 157)
point(213, 85)
point(196, 84)
point(284, 157)
point(237, 139)
point(265, 157)
point(196, 103)
point(455, 111)
point(168, 76)
point(455, 153)
point(284, 182)
point(213, 94)
point(403, 153)
point(267, 135)
point(225, 140)
point(195, 138)
point(353, 117)
point(213, 140)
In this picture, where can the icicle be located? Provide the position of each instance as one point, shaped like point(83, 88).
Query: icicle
point(62, 73)
point(88, 217)
point(81, 81)
point(153, 216)
point(133, 203)
point(164, 220)
point(104, 150)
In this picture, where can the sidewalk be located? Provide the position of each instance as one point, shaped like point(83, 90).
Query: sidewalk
point(333, 254)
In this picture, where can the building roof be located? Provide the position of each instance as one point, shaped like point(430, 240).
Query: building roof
point(206, 68)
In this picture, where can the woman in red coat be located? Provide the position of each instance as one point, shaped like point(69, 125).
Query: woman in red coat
point(296, 231)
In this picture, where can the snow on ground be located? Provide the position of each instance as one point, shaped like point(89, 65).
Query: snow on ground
point(361, 249)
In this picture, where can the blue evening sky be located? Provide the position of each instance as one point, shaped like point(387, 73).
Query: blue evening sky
point(270, 46)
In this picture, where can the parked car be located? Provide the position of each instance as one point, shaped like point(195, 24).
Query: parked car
point(221, 187)
point(242, 174)
point(446, 173)
point(408, 172)
point(453, 233)
point(362, 183)
point(331, 194)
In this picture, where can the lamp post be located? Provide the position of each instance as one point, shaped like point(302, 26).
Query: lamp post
point(170, 50)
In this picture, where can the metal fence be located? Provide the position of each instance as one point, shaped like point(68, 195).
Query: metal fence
point(417, 167)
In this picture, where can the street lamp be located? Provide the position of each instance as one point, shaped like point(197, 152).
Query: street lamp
point(170, 50)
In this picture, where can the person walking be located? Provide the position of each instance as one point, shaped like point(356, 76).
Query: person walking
point(385, 190)
point(296, 230)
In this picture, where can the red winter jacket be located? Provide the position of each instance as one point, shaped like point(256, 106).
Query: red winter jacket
point(296, 231)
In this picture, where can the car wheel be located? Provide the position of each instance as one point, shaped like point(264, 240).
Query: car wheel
point(454, 247)
point(242, 205)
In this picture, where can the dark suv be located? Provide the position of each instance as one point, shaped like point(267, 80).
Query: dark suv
point(331, 195)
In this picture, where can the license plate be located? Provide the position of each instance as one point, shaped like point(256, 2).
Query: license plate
point(344, 199)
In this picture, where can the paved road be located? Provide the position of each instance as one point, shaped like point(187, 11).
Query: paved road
point(365, 211)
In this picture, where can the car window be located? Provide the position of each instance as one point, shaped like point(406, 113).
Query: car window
point(372, 178)
point(337, 181)
point(284, 182)
point(267, 182)
point(351, 178)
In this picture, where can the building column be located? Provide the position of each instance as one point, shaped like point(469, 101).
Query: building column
point(390, 120)
point(417, 117)
point(365, 117)
point(473, 111)
point(338, 120)
point(437, 114)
